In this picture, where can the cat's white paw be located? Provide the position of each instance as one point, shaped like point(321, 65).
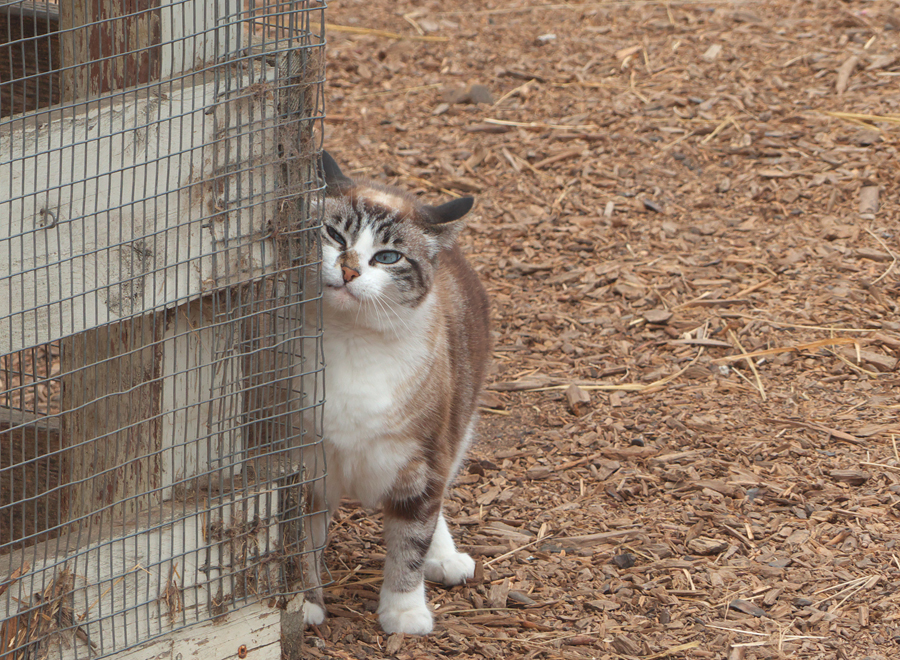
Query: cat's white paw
point(313, 614)
point(451, 569)
point(405, 612)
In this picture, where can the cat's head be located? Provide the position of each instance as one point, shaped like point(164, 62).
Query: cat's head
point(380, 245)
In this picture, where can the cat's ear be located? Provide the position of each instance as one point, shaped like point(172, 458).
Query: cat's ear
point(445, 221)
point(451, 211)
point(331, 172)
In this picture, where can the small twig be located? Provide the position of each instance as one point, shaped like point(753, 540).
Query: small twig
point(671, 651)
point(482, 609)
point(740, 537)
point(627, 387)
point(871, 582)
point(755, 287)
point(856, 367)
point(512, 552)
point(512, 91)
point(718, 129)
point(835, 341)
point(671, 144)
point(858, 117)
point(800, 326)
point(412, 21)
point(380, 33)
point(834, 433)
point(757, 634)
point(759, 385)
point(735, 630)
point(841, 585)
point(890, 252)
point(541, 125)
point(108, 589)
point(494, 411)
point(882, 465)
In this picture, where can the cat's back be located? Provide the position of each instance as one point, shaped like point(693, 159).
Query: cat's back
point(465, 308)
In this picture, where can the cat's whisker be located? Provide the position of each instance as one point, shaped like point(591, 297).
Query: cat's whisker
point(387, 300)
point(387, 313)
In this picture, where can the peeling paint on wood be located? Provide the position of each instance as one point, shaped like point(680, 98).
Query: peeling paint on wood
point(113, 45)
point(81, 272)
point(140, 568)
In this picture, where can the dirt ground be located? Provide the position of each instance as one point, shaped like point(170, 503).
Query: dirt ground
point(661, 188)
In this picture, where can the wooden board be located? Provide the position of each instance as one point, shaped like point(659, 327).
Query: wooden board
point(125, 210)
point(131, 42)
point(117, 588)
point(107, 46)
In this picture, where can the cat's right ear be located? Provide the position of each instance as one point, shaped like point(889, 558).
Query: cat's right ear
point(331, 172)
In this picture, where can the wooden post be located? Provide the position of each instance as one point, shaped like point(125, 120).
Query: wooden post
point(111, 43)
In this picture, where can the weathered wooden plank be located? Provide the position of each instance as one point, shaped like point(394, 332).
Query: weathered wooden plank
point(108, 45)
point(110, 398)
point(113, 45)
point(201, 400)
point(128, 216)
point(118, 588)
point(256, 628)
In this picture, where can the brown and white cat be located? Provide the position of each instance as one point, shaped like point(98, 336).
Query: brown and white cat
point(406, 343)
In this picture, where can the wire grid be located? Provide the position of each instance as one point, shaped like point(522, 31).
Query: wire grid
point(160, 342)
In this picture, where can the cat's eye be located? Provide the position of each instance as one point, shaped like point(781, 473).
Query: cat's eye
point(387, 257)
point(336, 236)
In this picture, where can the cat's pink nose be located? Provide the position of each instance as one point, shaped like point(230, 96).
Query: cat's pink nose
point(349, 274)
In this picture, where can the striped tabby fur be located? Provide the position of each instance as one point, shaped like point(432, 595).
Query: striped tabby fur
point(406, 349)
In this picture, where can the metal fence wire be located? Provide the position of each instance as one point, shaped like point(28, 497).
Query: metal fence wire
point(160, 342)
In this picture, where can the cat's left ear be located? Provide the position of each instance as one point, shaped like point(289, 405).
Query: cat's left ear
point(445, 220)
point(453, 210)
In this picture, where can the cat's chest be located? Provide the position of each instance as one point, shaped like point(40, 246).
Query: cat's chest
point(369, 382)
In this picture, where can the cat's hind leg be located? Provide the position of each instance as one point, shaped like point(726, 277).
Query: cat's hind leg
point(443, 563)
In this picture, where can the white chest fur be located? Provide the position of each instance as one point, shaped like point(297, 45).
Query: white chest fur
point(369, 379)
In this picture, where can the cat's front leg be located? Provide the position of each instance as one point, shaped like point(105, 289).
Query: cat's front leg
point(409, 526)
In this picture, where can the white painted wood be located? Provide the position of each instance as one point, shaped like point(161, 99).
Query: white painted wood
point(197, 32)
point(118, 582)
point(143, 193)
point(256, 626)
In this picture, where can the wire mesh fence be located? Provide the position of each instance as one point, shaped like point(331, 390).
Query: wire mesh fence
point(160, 342)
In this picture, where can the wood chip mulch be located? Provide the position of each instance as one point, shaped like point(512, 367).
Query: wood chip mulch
point(661, 188)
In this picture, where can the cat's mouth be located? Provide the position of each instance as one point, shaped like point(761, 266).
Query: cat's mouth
point(342, 292)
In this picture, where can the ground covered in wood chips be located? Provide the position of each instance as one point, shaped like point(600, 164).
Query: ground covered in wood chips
point(661, 188)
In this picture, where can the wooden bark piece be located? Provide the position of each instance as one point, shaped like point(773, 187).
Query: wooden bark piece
point(844, 73)
point(878, 361)
point(868, 199)
point(579, 401)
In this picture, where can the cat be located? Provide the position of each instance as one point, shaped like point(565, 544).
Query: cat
point(407, 345)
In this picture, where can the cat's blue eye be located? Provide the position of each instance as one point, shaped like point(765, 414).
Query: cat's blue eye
point(336, 236)
point(387, 257)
